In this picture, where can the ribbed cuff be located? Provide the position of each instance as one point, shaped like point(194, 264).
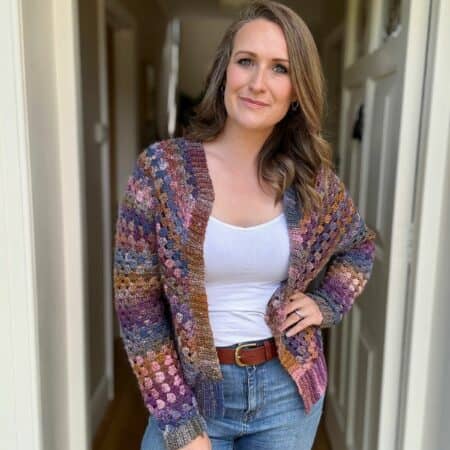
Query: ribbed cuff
point(326, 310)
point(180, 436)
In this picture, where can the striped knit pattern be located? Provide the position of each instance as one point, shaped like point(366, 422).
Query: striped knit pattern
point(160, 296)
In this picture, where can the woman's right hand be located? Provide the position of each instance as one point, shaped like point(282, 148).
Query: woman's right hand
point(199, 443)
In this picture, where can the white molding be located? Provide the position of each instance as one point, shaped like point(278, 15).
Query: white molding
point(68, 85)
point(99, 402)
point(431, 196)
point(20, 392)
point(413, 58)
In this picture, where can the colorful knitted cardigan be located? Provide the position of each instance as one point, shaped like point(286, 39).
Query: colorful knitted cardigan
point(160, 296)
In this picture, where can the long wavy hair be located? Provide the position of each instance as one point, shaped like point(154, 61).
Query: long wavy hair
point(295, 150)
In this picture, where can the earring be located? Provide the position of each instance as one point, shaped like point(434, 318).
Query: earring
point(295, 105)
point(222, 88)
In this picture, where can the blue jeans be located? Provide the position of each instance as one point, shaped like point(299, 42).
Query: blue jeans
point(263, 411)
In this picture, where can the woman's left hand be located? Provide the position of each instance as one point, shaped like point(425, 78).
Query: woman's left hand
point(307, 308)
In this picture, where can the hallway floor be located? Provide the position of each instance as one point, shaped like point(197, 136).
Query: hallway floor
point(126, 418)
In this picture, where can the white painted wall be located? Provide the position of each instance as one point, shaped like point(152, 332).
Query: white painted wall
point(46, 409)
point(437, 430)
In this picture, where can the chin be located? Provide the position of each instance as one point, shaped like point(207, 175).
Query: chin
point(255, 125)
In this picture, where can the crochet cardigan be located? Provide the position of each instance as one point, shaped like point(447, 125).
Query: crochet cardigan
point(159, 291)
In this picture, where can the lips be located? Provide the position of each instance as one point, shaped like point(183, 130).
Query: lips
point(253, 102)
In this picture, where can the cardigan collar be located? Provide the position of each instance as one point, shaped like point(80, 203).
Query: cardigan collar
point(197, 228)
point(291, 205)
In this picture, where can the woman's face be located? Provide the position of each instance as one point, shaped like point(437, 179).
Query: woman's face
point(258, 89)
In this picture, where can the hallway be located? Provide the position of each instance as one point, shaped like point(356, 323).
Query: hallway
point(130, 105)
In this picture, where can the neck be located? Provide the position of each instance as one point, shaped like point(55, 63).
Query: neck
point(242, 145)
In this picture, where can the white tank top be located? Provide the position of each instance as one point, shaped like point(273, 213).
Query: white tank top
point(243, 267)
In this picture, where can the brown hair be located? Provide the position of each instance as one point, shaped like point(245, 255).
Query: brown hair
point(295, 150)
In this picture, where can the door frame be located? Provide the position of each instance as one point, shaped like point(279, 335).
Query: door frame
point(114, 14)
point(415, 16)
point(24, 390)
point(20, 389)
point(414, 412)
point(419, 192)
point(424, 242)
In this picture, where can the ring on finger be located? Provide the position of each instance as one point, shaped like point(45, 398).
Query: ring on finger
point(297, 311)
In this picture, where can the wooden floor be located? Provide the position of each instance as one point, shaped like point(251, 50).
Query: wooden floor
point(125, 421)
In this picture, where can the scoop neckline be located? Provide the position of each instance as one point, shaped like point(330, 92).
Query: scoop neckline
point(252, 227)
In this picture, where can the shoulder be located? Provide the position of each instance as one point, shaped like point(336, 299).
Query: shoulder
point(168, 148)
point(328, 184)
point(337, 202)
point(166, 154)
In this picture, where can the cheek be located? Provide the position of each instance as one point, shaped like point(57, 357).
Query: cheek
point(236, 77)
point(284, 91)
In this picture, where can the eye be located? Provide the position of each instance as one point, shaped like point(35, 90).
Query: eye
point(244, 61)
point(280, 68)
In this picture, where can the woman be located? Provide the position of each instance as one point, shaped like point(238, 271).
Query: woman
point(219, 237)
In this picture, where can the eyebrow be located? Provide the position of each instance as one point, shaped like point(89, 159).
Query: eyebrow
point(254, 54)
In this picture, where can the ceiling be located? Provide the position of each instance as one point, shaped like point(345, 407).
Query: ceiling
point(310, 11)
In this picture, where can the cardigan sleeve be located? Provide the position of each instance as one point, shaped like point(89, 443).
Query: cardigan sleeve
point(144, 316)
point(349, 268)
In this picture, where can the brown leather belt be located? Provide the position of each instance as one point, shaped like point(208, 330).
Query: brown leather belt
point(248, 353)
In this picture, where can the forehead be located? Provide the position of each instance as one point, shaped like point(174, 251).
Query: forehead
point(261, 37)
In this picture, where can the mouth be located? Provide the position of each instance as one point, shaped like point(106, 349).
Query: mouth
point(253, 103)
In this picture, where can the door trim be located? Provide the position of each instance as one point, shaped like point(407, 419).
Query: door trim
point(430, 184)
point(21, 425)
point(68, 86)
point(415, 22)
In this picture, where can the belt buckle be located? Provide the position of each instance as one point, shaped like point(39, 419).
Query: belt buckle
point(237, 356)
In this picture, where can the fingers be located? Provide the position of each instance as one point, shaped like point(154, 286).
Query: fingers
point(293, 318)
point(300, 326)
point(297, 300)
point(307, 308)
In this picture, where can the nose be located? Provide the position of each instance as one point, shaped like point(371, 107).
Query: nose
point(257, 82)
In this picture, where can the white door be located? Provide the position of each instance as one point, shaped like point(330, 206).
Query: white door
point(377, 146)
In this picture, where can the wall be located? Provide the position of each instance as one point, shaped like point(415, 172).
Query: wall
point(333, 14)
point(200, 37)
point(438, 405)
point(91, 115)
point(151, 23)
point(331, 49)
